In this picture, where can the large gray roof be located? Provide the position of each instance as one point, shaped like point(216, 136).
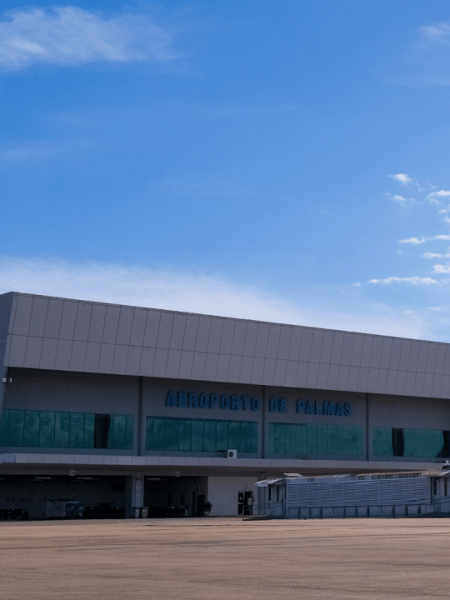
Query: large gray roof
point(43, 332)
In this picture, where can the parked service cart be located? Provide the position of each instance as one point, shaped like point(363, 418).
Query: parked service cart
point(62, 508)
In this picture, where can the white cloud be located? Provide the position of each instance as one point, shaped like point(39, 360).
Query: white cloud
point(190, 292)
point(413, 240)
point(413, 280)
point(71, 35)
point(439, 32)
point(441, 268)
point(401, 199)
point(402, 178)
point(429, 56)
point(431, 255)
point(435, 197)
point(438, 308)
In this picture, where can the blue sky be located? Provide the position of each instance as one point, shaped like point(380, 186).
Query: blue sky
point(284, 161)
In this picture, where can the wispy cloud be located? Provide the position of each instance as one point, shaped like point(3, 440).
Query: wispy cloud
point(427, 59)
point(402, 178)
point(428, 197)
point(436, 197)
point(413, 280)
point(26, 153)
point(413, 240)
point(200, 293)
point(401, 199)
point(70, 35)
point(436, 33)
point(416, 241)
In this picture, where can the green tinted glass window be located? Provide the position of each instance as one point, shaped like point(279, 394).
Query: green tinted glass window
point(200, 435)
point(210, 428)
point(197, 436)
point(129, 438)
point(420, 443)
point(271, 438)
point(289, 439)
point(46, 429)
point(432, 443)
point(382, 441)
point(31, 429)
point(118, 432)
point(172, 435)
point(185, 433)
point(300, 439)
point(352, 439)
point(222, 435)
point(62, 429)
point(246, 437)
point(234, 430)
point(149, 440)
point(89, 430)
point(4, 428)
point(159, 434)
point(15, 427)
point(309, 439)
point(254, 437)
point(278, 438)
point(326, 439)
point(413, 442)
point(76, 438)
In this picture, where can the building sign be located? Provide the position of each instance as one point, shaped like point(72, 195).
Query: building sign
point(248, 403)
point(308, 407)
point(191, 400)
point(337, 409)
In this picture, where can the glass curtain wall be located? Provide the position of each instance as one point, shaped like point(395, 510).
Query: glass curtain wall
point(201, 435)
point(304, 440)
point(46, 429)
point(412, 443)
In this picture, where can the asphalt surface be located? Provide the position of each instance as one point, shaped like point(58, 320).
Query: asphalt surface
point(219, 559)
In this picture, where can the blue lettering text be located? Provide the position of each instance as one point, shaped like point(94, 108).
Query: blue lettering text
point(301, 406)
point(225, 402)
point(171, 399)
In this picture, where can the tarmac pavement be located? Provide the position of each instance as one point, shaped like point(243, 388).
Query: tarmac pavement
point(218, 559)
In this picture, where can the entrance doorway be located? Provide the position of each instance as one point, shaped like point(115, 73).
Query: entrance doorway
point(174, 496)
point(245, 503)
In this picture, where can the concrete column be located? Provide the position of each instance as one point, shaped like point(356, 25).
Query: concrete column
point(134, 494)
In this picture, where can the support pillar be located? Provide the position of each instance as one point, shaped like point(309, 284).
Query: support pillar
point(134, 494)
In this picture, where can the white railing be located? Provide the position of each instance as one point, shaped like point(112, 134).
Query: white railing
point(278, 510)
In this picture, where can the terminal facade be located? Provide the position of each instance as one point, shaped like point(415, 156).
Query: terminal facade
point(139, 407)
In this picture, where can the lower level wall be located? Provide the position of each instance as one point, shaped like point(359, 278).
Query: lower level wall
point(32, 495)
point(223, 493)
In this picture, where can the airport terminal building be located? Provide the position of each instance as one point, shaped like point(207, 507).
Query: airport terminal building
point(143, 407)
